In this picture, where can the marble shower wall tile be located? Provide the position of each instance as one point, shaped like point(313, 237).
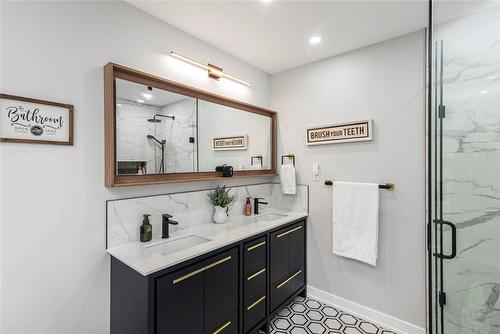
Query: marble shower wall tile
point(471, 164)
point(190, 209)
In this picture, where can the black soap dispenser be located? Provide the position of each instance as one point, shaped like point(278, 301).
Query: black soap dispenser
point(146, 229)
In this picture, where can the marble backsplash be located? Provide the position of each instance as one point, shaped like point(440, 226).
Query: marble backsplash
point(124, 216)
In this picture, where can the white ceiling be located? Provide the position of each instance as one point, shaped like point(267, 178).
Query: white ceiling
point(132, 92)
point(274, 35)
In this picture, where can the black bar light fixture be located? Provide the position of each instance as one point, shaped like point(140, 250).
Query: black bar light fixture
point(213, 71)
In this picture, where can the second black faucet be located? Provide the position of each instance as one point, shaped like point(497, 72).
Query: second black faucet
point(165, 225)
point(256, 203)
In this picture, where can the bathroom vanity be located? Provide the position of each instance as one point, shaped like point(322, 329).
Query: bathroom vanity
point(254, 266)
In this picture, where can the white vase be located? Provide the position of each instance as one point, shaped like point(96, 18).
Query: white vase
point(220, 214)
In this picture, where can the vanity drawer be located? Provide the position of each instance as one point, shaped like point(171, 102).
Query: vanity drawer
point(227, 326)
point(254, 284)
point(282, 290)
point(255, 312)
point(255, 255)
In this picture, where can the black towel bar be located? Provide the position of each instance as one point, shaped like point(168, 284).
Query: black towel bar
point(388, 186)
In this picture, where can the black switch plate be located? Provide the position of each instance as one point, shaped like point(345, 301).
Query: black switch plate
point(191, 139)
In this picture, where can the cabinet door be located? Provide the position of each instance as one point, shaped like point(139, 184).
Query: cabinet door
point(287, 263)
point(279, 258)
point(221, 293)
point(180, 301)
point(296, 251)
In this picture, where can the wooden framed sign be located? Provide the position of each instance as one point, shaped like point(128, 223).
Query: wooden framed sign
point(230, 143)
point(340, 133)
point(27, 120)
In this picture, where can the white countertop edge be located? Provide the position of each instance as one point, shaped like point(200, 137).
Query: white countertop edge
point(137, 256)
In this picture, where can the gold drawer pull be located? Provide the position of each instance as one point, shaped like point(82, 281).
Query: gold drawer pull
point(256, 303)
point(202, 269)
point(256, 246)
point(222, 328)
point(191, 274)
point(256, 274)
point(218, 262)
point(289, 231)
point(289, 279)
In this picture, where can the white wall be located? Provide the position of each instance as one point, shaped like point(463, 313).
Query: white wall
point(384, 82)
point(54, 271)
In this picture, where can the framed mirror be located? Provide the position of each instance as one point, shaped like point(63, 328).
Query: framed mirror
point(159, 131)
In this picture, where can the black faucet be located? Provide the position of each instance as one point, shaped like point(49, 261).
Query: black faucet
point(256, 203)
point(165, 222)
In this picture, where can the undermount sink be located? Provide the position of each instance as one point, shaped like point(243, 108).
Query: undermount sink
point(267, 217)
point(175, 245)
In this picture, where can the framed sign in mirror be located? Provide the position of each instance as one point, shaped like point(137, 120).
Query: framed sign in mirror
point(28, 120)
point(159, 131)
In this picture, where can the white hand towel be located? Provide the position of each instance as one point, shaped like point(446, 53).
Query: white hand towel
point(287, 178)
point(355, 221)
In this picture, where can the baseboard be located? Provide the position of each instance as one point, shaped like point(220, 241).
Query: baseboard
point(384, 320)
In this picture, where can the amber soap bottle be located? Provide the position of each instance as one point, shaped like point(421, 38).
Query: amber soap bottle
point(248, 207)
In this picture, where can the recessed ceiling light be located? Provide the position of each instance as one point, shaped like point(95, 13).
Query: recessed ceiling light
point(140, 101)
point(266, 0)
point(483, 92)
point(315, 40)
point(147, 96)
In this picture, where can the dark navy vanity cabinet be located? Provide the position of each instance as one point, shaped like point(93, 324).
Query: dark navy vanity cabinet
point(232, 290)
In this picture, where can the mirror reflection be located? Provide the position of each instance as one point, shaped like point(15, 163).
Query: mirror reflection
point(160, 132)
point(233, 137)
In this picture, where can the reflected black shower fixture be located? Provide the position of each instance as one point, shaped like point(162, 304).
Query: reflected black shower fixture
point(162, 143)
point(156, 120)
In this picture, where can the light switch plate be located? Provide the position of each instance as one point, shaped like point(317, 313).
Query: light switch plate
point(316, 171)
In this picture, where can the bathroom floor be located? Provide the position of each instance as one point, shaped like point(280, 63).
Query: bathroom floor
point(308, 316)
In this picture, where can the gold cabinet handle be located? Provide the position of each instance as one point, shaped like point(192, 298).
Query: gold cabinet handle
point(255, 303)
point(222, 327)
point(191, 274)
point(256, 274)
point(218, 262)
point(288, 279)
point(289, 231)
point(256, 246)
point(202, 269)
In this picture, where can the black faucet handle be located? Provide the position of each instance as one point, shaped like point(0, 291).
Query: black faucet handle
point(173, 222)
point(257, 200)
point(166, 216)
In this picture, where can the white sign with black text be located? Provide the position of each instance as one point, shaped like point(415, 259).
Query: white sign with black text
point(35, 121)
point(230, 143)
point(340, 133)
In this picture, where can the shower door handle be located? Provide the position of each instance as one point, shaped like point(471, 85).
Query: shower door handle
point(453, 228)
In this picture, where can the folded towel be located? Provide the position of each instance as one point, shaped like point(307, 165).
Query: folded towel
point(287, 178)
point(355, 221)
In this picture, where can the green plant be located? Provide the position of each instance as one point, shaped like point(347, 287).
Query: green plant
point(221, 197)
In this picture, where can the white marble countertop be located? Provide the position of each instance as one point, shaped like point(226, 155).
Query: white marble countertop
point(145, 260)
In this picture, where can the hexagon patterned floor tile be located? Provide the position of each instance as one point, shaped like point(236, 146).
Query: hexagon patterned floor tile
point(308, 316)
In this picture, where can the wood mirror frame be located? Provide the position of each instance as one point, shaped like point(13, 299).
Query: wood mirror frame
point(112, 179)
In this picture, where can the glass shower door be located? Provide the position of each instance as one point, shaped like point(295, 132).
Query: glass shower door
point(464, 172)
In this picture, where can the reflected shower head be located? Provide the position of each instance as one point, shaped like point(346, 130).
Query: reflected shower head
point(156, 120)
point(156, 140)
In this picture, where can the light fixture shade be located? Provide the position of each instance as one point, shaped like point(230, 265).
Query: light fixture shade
point(214, 72)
